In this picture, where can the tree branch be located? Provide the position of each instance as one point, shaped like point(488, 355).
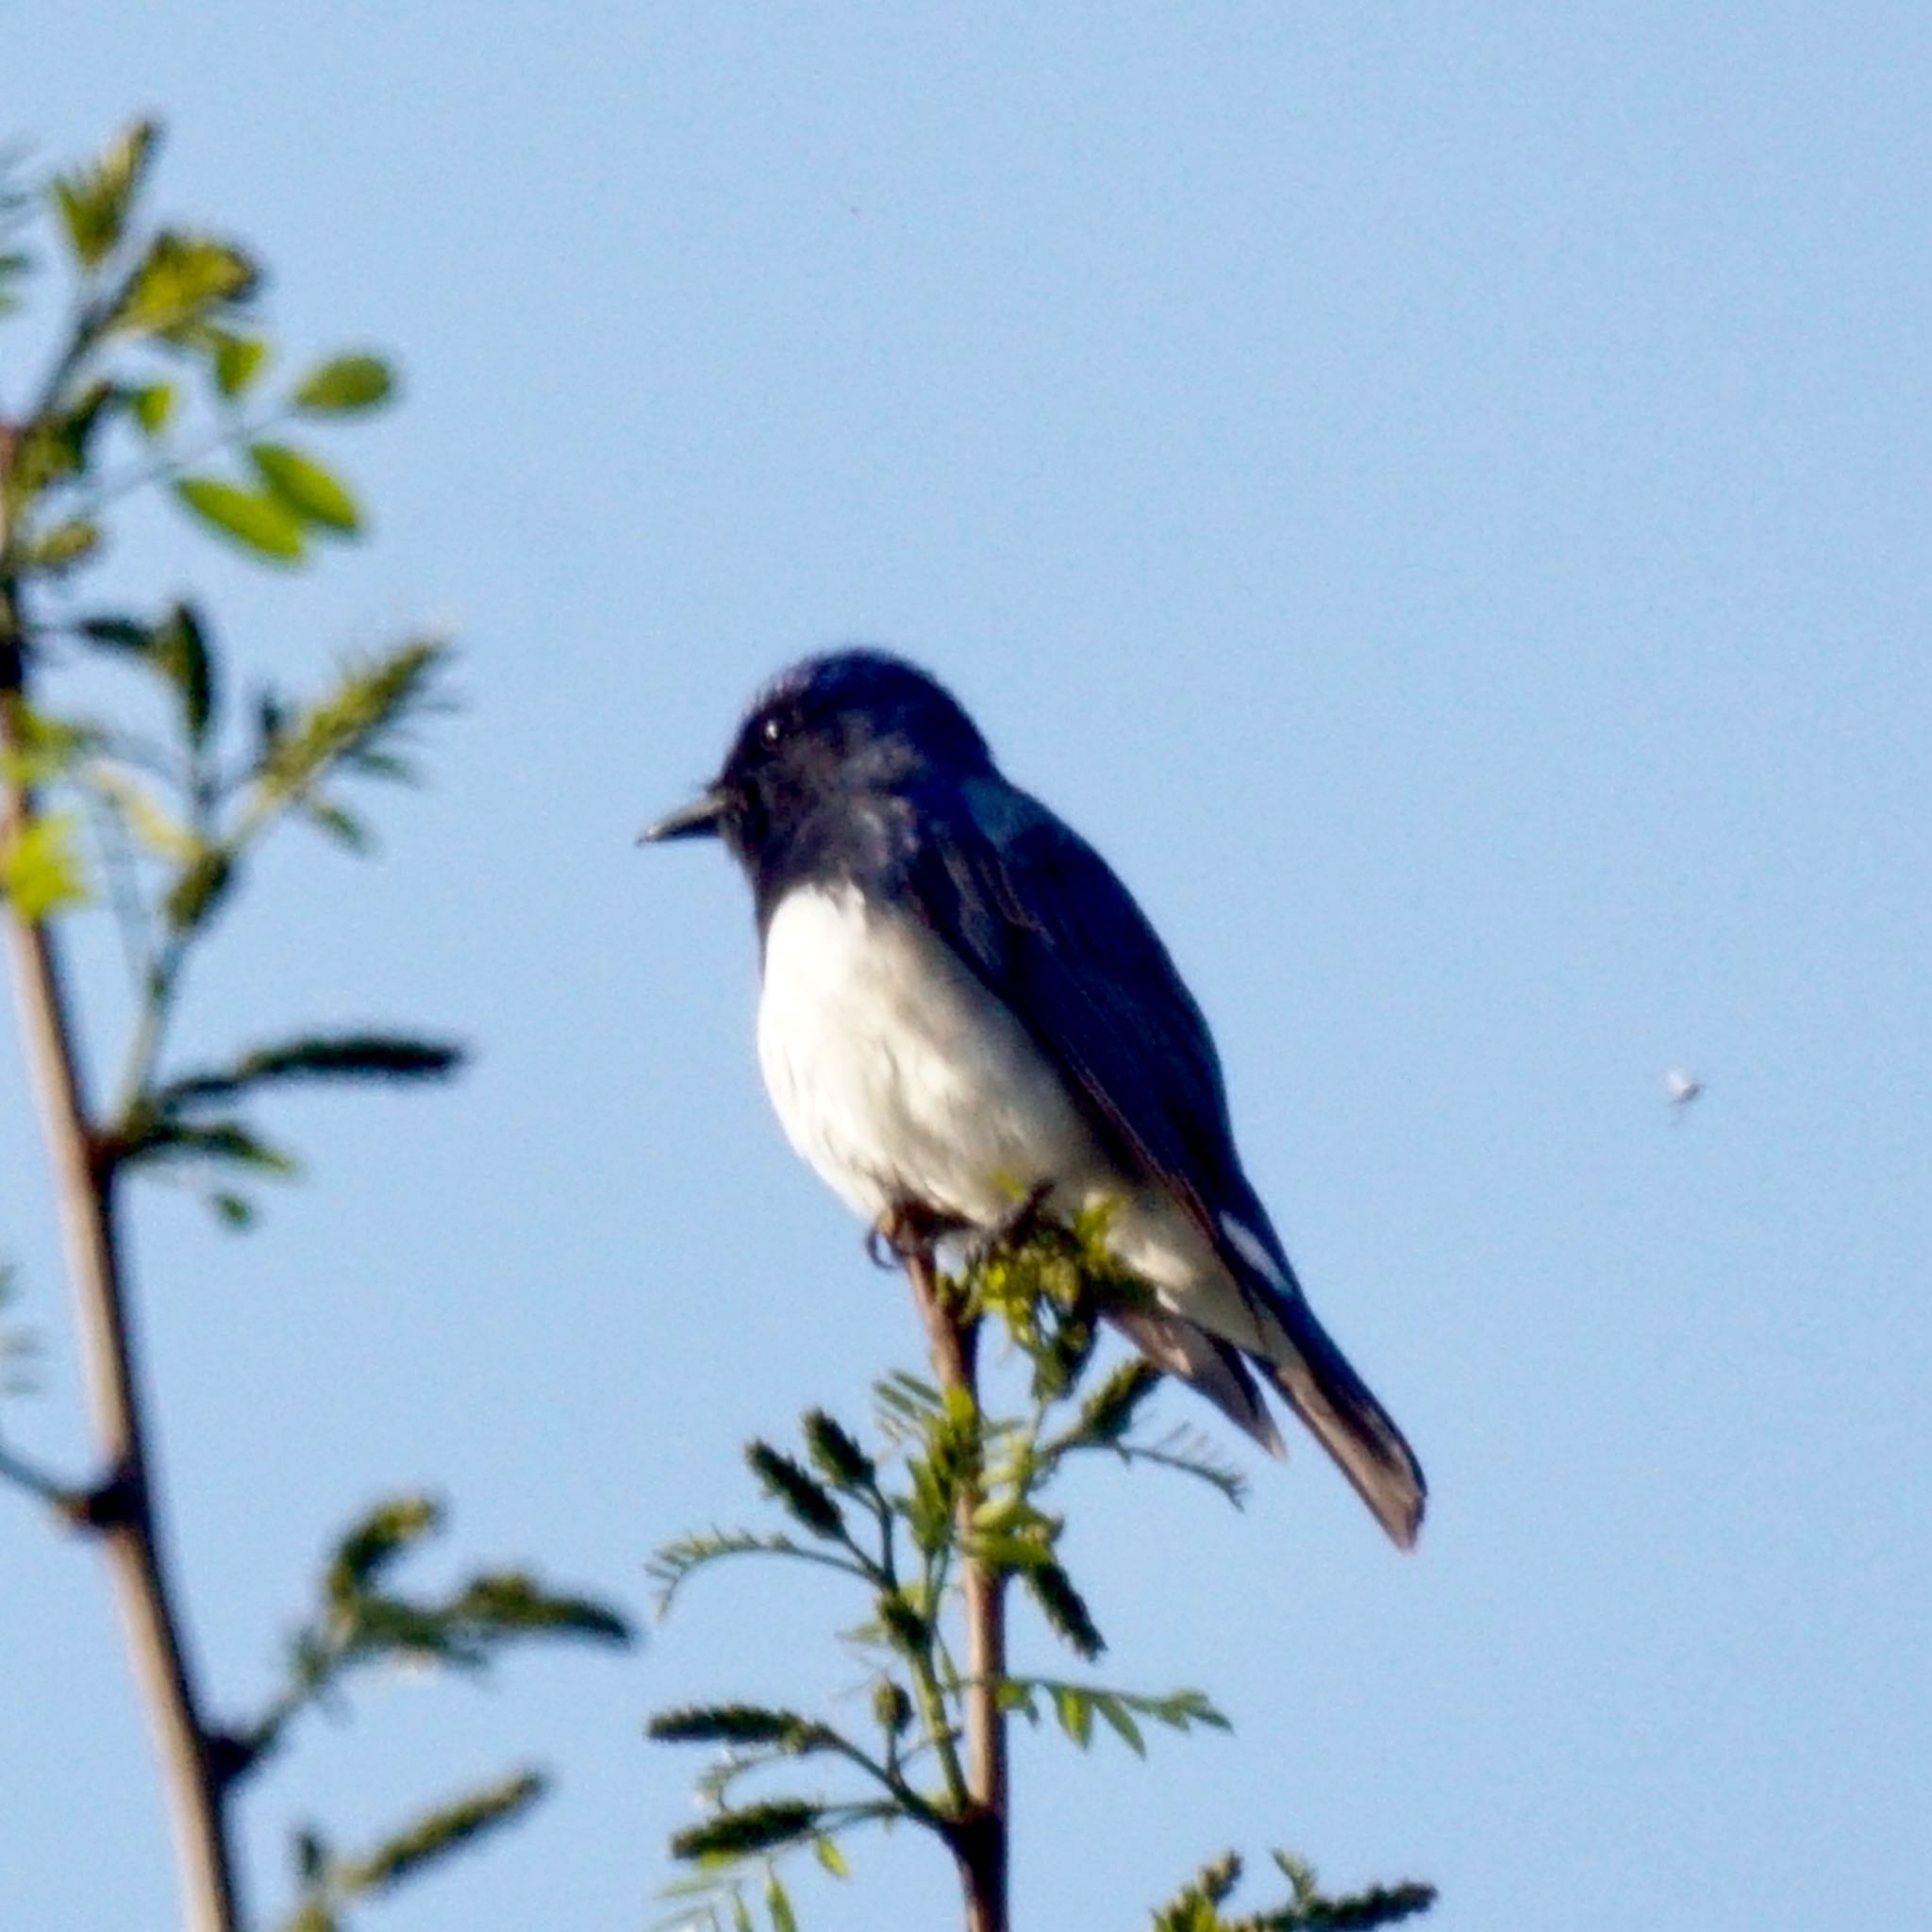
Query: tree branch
point(980, 1840)
point(84, 1185)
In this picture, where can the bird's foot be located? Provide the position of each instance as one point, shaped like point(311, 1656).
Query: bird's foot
point(1021, 1221)
point(907, 1232)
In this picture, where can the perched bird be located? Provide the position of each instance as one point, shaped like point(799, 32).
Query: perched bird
point(961, 1003)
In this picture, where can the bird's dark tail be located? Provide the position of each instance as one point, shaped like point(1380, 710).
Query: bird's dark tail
point(1345, 1418)
point(1206, 1364)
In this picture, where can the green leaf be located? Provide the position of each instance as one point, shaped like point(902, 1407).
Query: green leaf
point(344, 827)
point(741, 1915)
point(738, 1724)
point(1064, 1608)
point(179, 652)
point(831, 1857)
point(372, 1544)
point(891, 1706)
point(1117, 1714)
point(907, 1627)
point(805, 1499)
point(58, 443)
point(362, 716)
point(153, 405)
point(63, 546)
point(218, 1140)
point(437, 1834)
point(345, 386)
point(739, 1834)
point(311, 1857)
point(258, 523)
point(117, 633)
point(300, 484)
point(1181, 1709)
point(837, 1456)
point(198, 890)
point(182, 281)
point(337, 1056)
point(1108, 1413)
point(1074, 1709)
point(508, 1603)
point(41, 871)
point(778, 1903)
point(93, 202)
point(233, 1210)
point(236, 361)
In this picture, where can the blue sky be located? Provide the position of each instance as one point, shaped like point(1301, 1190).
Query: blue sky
point(1439, 495)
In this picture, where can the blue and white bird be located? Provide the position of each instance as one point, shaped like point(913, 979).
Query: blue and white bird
point(960, 1003)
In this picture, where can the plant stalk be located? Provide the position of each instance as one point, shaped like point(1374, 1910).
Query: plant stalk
point(123, 1509)
point(980, 1840)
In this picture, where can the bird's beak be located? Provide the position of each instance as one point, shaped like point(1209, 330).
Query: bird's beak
point(698, 820)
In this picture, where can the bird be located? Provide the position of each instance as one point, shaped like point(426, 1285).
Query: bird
point(962, 1005)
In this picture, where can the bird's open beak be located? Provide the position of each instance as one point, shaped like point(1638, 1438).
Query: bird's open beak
point(698, 820)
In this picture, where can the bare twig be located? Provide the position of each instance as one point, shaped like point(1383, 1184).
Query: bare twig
point(980, 1839)
point(84, 1185)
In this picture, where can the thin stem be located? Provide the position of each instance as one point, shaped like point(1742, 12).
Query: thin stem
point(157, 1007)
point(932, 1713)
point(84, 1187)
point(172, 462)
point(980, 1839)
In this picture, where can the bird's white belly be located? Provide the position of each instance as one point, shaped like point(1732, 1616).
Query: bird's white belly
point(898, 1076)
point(903, 1082)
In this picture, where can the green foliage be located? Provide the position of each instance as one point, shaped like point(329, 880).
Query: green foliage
point(338, 1057)
point(305, 487)
point(177, 837)
point(1197, 1907)
point(345, 386)
point(94, 200)
point(946, 1483)
point(161, 380)
point(440, 1832)
point(180, 283)
point(113, 414)
point(330, 1881)
point(40, 868)
point(176, 826)
point(361, 1622)
point(254, 520)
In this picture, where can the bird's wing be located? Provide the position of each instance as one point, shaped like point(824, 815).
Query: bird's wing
point(1043, 922)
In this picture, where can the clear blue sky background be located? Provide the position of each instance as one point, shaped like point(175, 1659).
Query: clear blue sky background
point(1440, 495)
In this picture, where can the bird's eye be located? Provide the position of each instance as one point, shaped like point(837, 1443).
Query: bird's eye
point(772, 730)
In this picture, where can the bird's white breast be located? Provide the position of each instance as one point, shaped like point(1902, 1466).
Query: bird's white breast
point(898, 1075)
point(903, 1080)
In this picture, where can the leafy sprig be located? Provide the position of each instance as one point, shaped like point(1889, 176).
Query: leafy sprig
point(888, 1515)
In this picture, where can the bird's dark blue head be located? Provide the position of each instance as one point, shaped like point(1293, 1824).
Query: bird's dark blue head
point(850, 728)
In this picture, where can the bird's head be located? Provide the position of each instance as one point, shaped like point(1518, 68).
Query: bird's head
point(850, 722)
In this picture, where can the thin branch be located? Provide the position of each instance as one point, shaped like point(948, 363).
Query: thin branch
point(980, 1839)
point(84, 1187)
point(169, 463)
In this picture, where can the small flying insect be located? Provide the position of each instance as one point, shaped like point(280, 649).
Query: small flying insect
point(1681, 1089)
